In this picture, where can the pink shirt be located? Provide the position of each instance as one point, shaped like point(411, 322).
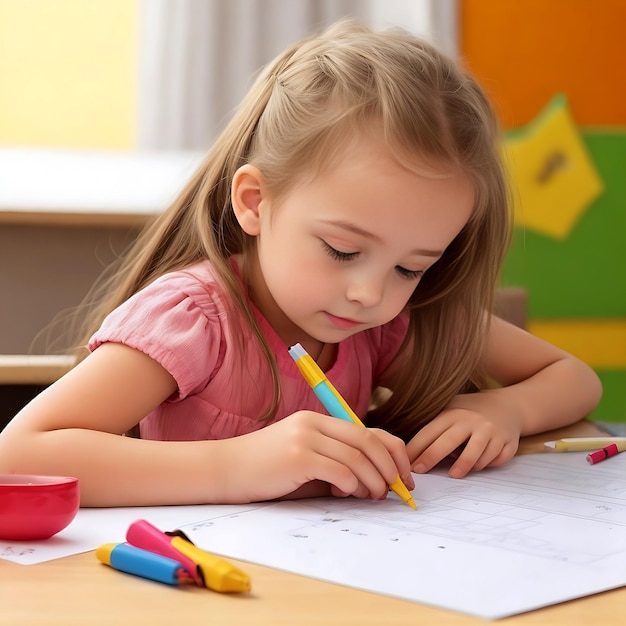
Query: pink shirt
point(181, 321)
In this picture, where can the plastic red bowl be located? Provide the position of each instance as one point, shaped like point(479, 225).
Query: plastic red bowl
point(36, 507)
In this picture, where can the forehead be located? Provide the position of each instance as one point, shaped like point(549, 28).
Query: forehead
point(367, 185)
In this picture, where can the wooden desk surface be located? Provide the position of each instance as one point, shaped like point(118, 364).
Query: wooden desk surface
point(78, 590)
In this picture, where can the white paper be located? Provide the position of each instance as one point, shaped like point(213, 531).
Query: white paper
point(541, 530)
point(93, 527)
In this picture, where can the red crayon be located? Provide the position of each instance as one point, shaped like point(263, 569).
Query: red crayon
point(600, 455)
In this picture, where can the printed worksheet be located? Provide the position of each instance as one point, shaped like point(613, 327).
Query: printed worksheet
point(540, 530)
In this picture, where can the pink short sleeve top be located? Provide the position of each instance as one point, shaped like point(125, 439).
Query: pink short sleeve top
point(182, 320)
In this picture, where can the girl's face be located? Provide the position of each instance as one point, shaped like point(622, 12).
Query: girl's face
point(344, 251)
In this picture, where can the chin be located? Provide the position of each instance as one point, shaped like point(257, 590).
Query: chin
point(337, 336)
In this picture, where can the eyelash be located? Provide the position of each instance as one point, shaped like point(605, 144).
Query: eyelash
point(409, 274)
point(348, 256)
point(337, 254)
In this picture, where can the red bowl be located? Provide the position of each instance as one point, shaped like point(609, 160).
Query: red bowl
point(36, 507)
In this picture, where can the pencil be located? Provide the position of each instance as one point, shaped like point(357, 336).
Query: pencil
point(581, 444)
point(336, 405)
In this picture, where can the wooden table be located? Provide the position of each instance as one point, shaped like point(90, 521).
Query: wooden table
point(78, 590)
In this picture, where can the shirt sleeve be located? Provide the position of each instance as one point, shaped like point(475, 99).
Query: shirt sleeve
point(175, 321)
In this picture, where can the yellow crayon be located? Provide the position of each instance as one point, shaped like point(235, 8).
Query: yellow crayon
point(218, 573)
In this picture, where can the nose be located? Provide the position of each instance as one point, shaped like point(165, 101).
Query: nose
point(366, 288)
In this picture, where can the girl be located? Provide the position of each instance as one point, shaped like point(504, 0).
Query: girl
point(355, 204)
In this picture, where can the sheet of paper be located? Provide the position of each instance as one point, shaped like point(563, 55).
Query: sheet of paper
point(93, 527)
point(540, 530)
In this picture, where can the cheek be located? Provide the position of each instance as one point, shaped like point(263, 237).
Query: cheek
point(290, 257)
point(397, 300)
point(286, 268)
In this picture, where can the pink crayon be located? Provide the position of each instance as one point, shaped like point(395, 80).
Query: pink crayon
point(600, 455)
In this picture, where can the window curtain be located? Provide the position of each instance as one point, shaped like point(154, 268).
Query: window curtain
point(198, 57)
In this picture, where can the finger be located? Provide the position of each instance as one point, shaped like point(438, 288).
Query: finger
point(495, 453)
point(337, 493)
point(425, 438)
point(506, 454)
point(360, 492)
point(371, 454)
point(337, 475)
point(477, 451)
point(349, 468)
point(448, 443)
point(397, 449)
point(364, 453)
point(338, 452)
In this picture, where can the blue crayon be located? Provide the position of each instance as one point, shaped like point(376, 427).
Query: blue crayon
point(127, 558)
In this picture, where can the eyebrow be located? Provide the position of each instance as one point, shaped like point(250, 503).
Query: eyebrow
point(353, 228)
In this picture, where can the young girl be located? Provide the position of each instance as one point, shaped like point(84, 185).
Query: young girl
point(355, 204)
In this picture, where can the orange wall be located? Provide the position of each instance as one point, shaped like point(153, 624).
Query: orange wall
point(524, 51)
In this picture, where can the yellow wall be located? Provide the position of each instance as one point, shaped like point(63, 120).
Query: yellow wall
point(68, 73)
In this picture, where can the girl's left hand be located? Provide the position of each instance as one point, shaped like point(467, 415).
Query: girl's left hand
point(480, 426)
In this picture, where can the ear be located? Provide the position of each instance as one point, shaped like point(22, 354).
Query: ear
point(246, 196)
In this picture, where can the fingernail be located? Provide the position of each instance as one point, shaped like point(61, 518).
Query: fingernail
point(419, 468)
point(409, 482)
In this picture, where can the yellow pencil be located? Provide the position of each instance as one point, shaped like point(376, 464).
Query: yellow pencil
point(580, 444)
point(335, 404)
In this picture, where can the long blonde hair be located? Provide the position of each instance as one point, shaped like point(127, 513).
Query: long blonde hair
point(311, 98)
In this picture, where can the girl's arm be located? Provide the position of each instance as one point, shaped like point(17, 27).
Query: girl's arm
point(542, 388)
point(74, 428)
point(549, 387)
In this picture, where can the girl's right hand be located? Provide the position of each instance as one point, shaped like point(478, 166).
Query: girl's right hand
point(307, 446)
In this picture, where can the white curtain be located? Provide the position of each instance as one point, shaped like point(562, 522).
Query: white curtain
point(198, 57)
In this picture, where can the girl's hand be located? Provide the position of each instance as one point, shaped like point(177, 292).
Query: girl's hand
point(480, 426)
point(307, 446)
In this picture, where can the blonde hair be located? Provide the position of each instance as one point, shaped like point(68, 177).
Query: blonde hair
point(300, 110)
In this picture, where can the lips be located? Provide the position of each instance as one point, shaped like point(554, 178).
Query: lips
point(344, 323)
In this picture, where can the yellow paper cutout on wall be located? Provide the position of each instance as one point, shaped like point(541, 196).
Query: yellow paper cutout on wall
point(554, 179)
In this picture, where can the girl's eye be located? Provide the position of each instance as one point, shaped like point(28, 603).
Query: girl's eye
point(409, 274)
point(338, 255)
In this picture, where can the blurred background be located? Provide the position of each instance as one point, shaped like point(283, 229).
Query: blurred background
point(107, 105)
